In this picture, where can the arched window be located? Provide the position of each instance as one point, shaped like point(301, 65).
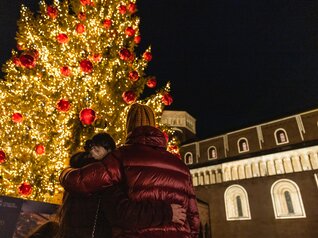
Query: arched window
point(242, 145)
point(281, 136)
point(236, 203)
point(287, 201)
point(188, 158)
point(212, 153)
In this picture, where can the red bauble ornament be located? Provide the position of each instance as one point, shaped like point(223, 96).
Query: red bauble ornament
point(17, 117)
point(133, 76)
point(20, 47)
point(129, 97)
point(25, 189)
point(131, 7)
point(124, 54)
point(131, 58)
point(152, 82)
point(80, 28)
point(63, 105)
point(81, 16)
point(87, 116)
point(35, 54)
point(174, 149)
point(147, 56)
point(137, 39)
point(166, 135)
point(39, 149)
point(2, 157)
point(86, 66)
point(65, 71)
point(16, 61)
point(166, 99)
point(85, 2)
point(62, 38)
point(51, 12)
point(122, 9)
point(27, 61)
point(107, 23)
point(96, 57)
point(130, 31)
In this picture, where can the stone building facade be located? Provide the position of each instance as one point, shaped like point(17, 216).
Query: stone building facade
point(260, 181)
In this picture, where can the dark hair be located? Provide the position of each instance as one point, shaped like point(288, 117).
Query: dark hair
point(104, 140)
point(88, 145)
point(80, 159)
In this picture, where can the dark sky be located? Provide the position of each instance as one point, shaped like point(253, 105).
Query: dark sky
point(232, 64)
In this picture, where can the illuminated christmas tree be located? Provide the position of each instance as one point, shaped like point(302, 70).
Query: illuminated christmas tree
point(74, 74)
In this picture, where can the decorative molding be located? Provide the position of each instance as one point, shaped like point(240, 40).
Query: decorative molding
point(287, 200)
point(236, 203)
point(226, 145)
point(292, 161)
point(260, 136)
point(197, 152)
point(300, 126)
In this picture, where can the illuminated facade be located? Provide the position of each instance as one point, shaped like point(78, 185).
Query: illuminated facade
point(260, 181)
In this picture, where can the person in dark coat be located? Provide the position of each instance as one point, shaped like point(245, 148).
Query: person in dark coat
point(82, 216)
point(148, 172)
point(47, 230)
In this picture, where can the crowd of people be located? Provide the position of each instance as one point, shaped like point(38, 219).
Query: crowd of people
point(138, 190)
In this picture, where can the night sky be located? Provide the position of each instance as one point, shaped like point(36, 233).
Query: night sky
point(232, 64)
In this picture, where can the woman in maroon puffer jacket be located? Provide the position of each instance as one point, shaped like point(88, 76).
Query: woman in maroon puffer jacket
point(148, 172)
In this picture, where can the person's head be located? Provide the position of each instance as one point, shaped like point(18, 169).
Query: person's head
point(101, 144)
point(139, 115)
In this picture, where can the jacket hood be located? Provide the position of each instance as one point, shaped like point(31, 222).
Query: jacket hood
point(147, 135)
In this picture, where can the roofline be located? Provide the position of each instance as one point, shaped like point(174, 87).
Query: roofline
point(262, 124)
point(254, 154)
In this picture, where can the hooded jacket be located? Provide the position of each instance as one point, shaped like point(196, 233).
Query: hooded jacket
point(149, 173)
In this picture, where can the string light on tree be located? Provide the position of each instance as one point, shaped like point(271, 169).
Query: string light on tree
point(74, 73)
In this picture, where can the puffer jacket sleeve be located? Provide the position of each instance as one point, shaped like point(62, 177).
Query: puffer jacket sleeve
point(193, 213)
point(93, 177)
point(128, 214)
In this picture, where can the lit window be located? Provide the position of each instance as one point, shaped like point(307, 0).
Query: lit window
point(243, 145)
point(287, 201)
point(212, 153)
point(236, 203)
point(188, 158)
point(281, 136)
